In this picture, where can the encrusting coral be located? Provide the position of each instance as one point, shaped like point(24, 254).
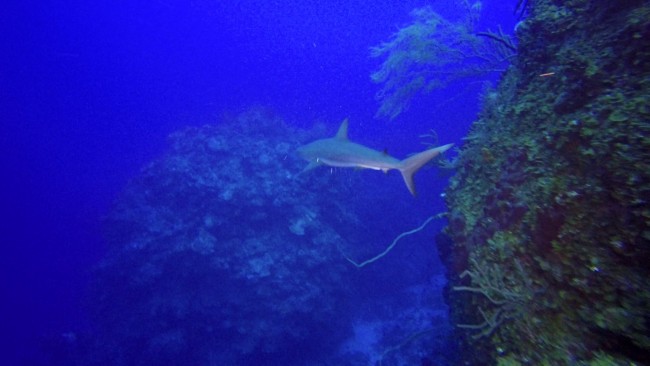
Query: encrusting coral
point(549, 207)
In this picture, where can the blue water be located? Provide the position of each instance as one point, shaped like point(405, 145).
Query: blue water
point(91, 91)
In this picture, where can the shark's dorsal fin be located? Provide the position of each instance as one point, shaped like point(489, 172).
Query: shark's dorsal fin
point(343, 130)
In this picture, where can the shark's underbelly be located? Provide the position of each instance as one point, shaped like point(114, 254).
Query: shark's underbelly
point(366, 164)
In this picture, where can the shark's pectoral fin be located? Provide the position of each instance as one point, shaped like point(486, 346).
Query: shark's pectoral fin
point(310, 166)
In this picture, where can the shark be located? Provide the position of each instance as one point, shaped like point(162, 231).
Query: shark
point(339, 151)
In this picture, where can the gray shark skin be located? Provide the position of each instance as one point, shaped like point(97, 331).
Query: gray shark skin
point(339, 151)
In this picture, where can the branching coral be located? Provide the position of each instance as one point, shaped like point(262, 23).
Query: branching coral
point(507, 297)
point(392, 245)
point(433, 52)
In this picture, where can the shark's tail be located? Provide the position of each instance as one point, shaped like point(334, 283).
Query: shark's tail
point(412, 164)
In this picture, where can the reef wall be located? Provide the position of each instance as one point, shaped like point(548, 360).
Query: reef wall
point(549, 220)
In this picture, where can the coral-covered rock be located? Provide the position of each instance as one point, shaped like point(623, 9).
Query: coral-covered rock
point(219, 255)
point(223, 253)
point(549, 209)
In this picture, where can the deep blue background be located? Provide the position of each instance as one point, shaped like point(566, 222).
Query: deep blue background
point(89, 90)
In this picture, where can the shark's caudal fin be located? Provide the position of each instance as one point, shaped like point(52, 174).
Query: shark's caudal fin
point(412, 164)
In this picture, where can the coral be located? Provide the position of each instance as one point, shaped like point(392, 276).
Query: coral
point(219, 257)
point(392, 244)
point(507, 300)
point(555, 177)
point(432, 53)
